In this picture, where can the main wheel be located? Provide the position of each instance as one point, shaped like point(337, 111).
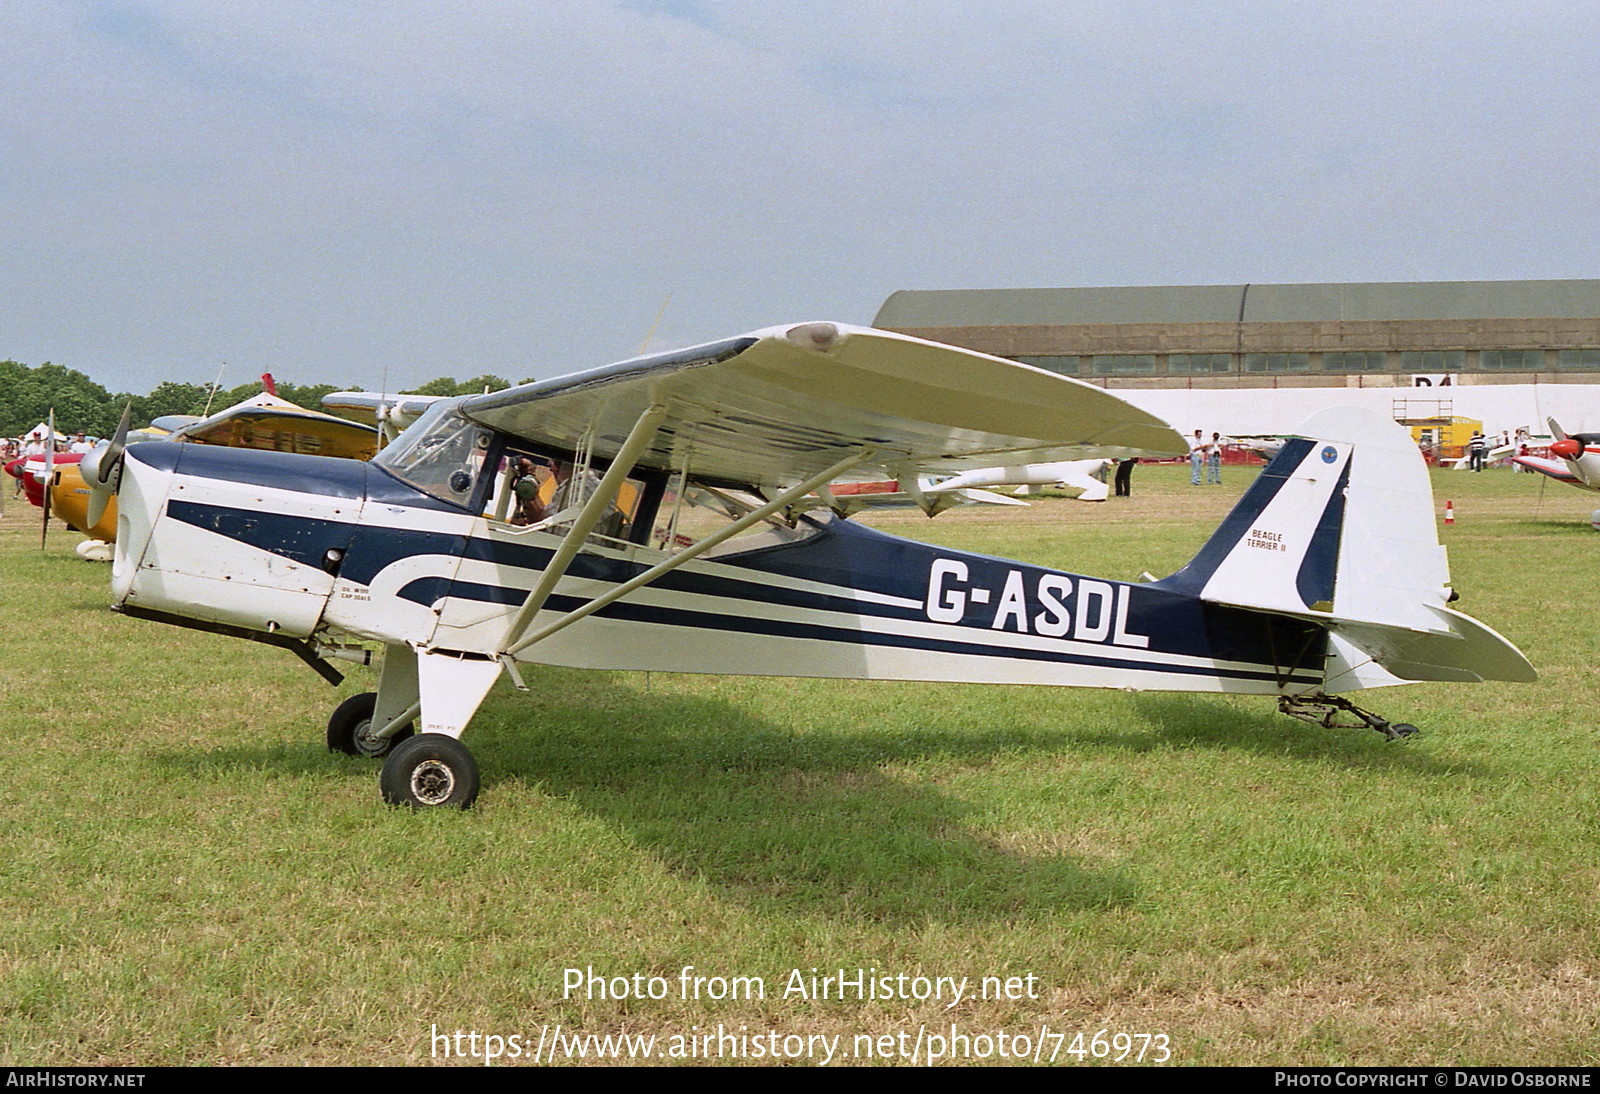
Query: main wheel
point(350, 728)
point(429, 771)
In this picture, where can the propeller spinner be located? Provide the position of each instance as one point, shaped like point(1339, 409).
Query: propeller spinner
point(1572, 446)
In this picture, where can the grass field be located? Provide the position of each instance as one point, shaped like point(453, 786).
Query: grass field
point(189, 877)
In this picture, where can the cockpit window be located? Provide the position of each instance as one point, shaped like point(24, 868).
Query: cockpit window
point(545, 492)
point(442, 454)
point(692, 511)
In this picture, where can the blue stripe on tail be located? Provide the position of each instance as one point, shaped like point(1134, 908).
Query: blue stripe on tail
point(1192, 578)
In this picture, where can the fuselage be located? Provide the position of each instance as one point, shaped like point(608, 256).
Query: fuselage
point(30, 472)
point(305, 546)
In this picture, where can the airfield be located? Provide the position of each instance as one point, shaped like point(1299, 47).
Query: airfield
point(190, 877)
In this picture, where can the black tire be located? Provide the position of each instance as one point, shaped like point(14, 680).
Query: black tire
point(430, 771)
point(352, 721)
point(1398, 730)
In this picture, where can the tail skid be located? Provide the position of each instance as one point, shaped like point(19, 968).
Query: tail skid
point(1339, 530)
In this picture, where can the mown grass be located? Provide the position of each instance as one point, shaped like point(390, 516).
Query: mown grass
point(189, 877)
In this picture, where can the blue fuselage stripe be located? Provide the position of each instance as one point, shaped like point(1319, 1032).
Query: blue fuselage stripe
point(847, 635)
point(839, 554)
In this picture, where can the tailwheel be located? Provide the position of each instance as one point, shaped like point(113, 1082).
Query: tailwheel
point(1326, 711)
point(430, 771)
point(351, 729)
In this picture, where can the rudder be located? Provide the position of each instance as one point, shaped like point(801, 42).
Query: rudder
point(1339, 529)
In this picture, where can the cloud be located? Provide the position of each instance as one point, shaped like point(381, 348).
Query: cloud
point(334, 189)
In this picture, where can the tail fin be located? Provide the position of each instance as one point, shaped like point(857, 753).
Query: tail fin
point(1339, 529)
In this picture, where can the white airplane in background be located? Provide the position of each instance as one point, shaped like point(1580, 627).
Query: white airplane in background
point(672, 541)
point(1490, 455)
point(1262, 444)
point(846, 499)
point(1074, 474)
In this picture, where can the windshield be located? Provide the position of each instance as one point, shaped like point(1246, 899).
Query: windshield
point(442, 454)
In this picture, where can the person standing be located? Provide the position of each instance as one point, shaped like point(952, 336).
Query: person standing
point(1197, 457)
point(1475, 451)
point(1214, 460)
point(1124, 477)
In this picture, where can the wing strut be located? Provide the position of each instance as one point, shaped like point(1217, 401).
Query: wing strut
point(643, 432)
point(512, 645)
point(908, 480)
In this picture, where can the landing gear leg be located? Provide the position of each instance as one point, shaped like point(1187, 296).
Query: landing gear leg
point(354, 731)
point(1326, 711)
point(372, 723)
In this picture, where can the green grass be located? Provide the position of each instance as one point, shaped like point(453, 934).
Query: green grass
point(188, 875)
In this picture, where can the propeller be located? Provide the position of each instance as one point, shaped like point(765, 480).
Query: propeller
point(1568, 448)
point(102, 469)
point(1555, 430)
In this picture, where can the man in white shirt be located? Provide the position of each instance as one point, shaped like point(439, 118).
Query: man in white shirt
point(1198, 450)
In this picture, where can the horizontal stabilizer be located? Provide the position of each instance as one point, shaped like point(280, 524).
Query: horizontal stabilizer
point(1469, 653)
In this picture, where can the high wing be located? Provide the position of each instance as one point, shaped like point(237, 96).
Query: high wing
point(266, 421)
point(785, 403)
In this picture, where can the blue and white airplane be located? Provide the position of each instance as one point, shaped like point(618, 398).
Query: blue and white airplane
point(653, 515)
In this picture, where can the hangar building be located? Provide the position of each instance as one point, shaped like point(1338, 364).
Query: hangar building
point(1216, 342)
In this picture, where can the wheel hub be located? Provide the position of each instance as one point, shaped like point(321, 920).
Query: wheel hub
point(367, 741)
point(432, 782)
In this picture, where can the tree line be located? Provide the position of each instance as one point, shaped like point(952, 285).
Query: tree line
point(28, 394)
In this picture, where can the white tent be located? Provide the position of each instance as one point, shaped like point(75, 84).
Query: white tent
point(43, 430)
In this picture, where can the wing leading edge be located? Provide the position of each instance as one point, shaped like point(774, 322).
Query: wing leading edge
point(783, 403)
point(1556, 469)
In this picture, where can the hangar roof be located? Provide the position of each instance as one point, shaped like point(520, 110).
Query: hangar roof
point(1369, 302)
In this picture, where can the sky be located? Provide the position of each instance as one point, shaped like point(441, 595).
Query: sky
point(374, 193)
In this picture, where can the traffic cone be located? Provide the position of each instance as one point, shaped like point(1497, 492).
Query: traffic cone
point(1449, 512)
